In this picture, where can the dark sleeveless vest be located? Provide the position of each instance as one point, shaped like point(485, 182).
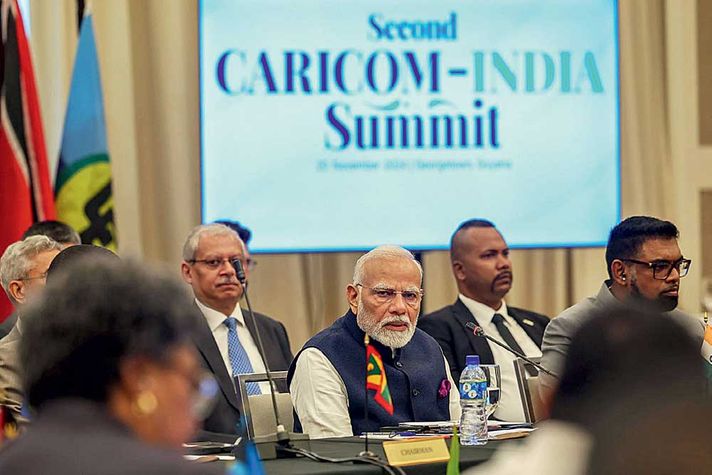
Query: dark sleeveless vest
point(414, 375)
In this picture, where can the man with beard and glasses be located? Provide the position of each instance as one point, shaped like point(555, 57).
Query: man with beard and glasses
point(644, 269)
point(328, 377)
point(483, 271)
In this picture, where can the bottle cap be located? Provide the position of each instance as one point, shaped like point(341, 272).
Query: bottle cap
point(471, 360)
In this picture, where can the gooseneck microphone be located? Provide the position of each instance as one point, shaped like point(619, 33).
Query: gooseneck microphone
point(478, 331)
point(282, 436)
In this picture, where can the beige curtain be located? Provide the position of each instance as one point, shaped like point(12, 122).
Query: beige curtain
point(149, 59)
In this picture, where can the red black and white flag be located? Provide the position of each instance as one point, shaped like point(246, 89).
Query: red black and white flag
point(25, 188)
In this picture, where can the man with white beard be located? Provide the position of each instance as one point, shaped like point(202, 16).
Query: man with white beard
point(408, 376)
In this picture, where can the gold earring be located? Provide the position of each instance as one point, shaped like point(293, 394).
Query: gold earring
point(146, 403)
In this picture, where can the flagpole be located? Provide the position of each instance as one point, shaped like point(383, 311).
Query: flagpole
point(366, 452)
point(80, 14)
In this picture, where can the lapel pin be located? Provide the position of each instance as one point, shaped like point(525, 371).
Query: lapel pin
point(528, 322)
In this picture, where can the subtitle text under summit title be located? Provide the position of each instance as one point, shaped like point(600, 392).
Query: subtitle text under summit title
point(383, 72)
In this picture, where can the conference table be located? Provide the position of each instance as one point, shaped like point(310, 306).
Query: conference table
point(351, 446)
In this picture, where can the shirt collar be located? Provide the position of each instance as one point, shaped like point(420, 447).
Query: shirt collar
point(215, 319)
point(483, 313)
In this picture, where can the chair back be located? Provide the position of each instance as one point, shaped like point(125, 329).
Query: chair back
point(258, 407)
point(528, 389)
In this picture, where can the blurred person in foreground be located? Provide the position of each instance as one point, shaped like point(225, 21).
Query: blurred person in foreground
point(23, 272)
point(111, 373)
point(10, 367)
point(623, 367)
point(57, 231)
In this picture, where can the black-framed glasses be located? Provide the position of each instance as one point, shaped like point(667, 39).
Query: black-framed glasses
point(216, 263)
point(384, 295)
point(662, 268)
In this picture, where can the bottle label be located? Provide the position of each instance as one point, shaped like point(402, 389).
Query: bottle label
point(473, 390)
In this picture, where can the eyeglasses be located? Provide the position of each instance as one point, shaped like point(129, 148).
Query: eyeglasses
point(205, 390)
point(662, 268)
point(217, 263)
point(384, 295)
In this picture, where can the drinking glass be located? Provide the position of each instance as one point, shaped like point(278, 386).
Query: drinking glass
point(494, 383)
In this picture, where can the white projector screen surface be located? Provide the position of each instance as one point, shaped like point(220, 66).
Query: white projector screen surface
point(342, 125)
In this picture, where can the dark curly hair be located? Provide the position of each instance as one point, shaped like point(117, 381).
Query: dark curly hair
point(93, 315)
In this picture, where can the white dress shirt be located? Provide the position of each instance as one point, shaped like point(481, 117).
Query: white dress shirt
point(321, 401)
point(217, 326)
point(510, 405)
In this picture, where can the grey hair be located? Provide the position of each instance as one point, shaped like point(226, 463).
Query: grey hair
point(386, 251)
point(16, 261)
point(193, 239)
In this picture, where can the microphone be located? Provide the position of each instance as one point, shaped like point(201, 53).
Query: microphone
point(281, 436)
point(239, 271)
point(478, 331)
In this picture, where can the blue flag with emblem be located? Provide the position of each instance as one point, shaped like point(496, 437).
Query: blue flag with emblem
point(83, 193)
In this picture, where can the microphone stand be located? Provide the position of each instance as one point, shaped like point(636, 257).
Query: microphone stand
point(273, 445)
point(478, 331)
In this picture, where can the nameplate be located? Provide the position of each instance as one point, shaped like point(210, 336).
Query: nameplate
point(416, 451)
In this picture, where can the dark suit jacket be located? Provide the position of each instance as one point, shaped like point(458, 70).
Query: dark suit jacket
point(225, 418)
point(79, 437)
point(447, 326)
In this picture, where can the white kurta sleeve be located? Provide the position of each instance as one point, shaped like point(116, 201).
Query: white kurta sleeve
point(319, 396)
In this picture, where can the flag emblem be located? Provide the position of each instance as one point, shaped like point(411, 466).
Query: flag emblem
point(83, 187)
point(376, 379)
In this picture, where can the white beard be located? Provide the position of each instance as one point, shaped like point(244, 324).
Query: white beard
point(376, 329)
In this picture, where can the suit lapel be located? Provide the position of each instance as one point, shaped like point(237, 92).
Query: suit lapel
point(477, 343)
point(253, 332)
point(205, 342)
point(534, 331)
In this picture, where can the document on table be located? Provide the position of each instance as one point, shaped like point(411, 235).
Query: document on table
point(502, 434)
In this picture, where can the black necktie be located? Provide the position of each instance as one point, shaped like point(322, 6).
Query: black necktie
point(506, 335)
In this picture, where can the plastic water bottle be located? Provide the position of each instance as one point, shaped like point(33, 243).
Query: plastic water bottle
point(473, 401)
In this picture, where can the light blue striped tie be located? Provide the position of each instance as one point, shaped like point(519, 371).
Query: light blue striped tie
point(239, 360)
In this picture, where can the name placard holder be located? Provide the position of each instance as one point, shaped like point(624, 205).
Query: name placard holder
point(416, 451)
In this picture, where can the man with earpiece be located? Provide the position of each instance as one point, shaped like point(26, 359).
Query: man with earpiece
point(645, 266)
